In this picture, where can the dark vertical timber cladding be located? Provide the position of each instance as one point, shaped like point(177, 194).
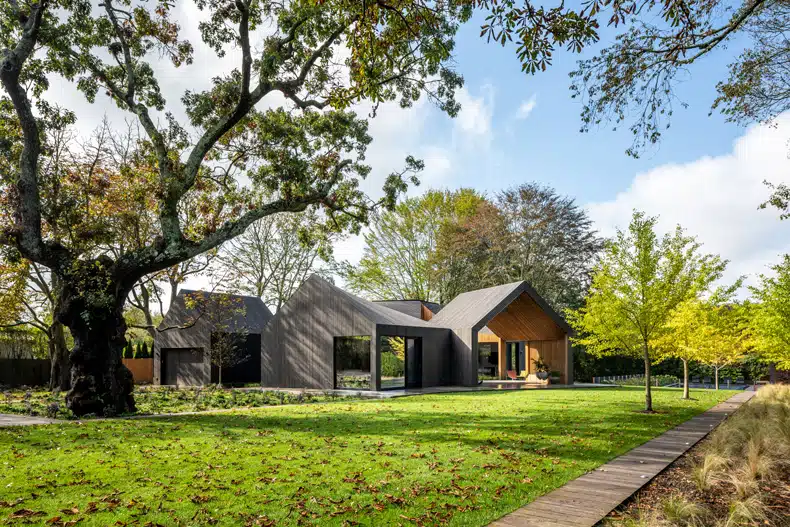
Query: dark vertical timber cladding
point(437, 360)
point(297, 346)
point(464, 344)
point(183, 328)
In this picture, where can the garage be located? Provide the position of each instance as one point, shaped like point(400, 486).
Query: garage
point(183, 366)
point(187, 334)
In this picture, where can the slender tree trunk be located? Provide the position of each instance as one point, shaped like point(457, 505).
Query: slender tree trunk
point(60, 367)
point(648, 392)
point(219, 378)
point(100, 383)
point(685, 378)
point(716, 369)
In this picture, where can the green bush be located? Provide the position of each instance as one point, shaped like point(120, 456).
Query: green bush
point(391, 365)
point(161, 400)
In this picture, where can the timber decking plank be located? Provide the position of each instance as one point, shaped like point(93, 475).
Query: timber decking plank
point(586, 500)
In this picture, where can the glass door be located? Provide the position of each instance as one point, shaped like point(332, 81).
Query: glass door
point(413, 362)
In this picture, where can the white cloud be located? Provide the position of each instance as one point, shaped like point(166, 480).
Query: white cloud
point(526, 108)
point(716, 199)
point(474, 119)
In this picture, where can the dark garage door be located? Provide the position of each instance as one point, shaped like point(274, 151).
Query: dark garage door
point(183, 367)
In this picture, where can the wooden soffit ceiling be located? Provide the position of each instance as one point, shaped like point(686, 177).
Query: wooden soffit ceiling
point(523, 319)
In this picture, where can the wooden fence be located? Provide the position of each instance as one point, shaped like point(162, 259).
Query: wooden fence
point(24, 372)
point(142, 370)
point(35, 372)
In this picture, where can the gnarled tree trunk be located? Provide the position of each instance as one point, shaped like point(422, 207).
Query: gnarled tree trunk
point(100, 383)
point(60, 369)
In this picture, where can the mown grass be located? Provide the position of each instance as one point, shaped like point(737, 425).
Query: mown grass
point(455, 459)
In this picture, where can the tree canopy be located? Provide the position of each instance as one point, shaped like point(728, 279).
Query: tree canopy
point(770, 315)
point(639, 281)
point(400, 247)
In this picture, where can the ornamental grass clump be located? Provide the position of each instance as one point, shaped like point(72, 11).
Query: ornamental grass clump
point(736, 477)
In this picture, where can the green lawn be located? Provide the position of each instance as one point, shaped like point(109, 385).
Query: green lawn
point(457, 459)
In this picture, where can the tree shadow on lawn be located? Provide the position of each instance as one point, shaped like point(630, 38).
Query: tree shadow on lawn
point(575, 434)
point(469, 458)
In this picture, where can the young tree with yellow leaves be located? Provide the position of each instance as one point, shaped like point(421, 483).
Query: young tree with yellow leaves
point(639, 281)
point(770, 315)
point(695, 330)
point(727, 339)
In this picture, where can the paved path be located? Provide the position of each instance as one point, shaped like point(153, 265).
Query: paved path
point(585, 501)
point(24, 420)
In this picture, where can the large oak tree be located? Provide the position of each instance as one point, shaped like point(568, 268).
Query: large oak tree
point(307, 154)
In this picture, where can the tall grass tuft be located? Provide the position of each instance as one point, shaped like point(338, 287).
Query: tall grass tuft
point(748, 451)
point(705, 473)
point(677, 510)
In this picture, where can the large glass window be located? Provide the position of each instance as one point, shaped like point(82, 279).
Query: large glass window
point(393, 362)
point(488, 360)
point(352, 362)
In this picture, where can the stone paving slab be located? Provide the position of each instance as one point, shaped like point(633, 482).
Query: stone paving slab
point(25, 420)
point(586, 500)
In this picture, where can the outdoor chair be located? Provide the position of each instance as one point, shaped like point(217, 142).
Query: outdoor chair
point(511, 374)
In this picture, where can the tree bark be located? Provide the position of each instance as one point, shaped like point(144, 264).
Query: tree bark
point(648, 392)
point(100, 383)
point(716, 369)
point(685, 378)
point(60, 369)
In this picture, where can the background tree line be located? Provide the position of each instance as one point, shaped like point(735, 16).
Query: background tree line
point(443, 243)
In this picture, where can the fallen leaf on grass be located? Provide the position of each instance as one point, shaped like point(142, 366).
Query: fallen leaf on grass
point(26, 513)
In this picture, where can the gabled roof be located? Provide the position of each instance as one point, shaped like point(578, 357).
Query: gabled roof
point(475, 309)
point(254, 318)
point(376, 312)
point(410, 307)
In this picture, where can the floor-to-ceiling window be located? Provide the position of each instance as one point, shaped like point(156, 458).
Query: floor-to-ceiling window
point(352, 362)
point(488, 360)
point(393, 362)
point(515, 357)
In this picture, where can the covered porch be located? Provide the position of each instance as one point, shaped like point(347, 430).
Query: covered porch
point(523, 333)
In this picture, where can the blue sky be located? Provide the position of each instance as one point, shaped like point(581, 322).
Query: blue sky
point(548, 147)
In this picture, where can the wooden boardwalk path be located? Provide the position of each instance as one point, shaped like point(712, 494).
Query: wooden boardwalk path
point(586, 500)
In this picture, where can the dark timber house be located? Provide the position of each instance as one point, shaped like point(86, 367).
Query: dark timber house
point(184, 338)
point(327, 338)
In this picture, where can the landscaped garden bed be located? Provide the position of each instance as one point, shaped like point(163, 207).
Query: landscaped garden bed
point(162, 400)
point(443, 459)
point(739, 476)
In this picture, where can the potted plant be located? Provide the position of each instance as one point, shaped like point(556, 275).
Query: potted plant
point(542, 370)
point(555, 376)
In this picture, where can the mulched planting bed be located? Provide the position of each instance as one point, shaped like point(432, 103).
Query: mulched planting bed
point(676, 480)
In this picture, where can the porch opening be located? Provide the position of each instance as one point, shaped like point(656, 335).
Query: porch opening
point(401, 362)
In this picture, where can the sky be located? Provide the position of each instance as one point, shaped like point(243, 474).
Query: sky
point(706, 175)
